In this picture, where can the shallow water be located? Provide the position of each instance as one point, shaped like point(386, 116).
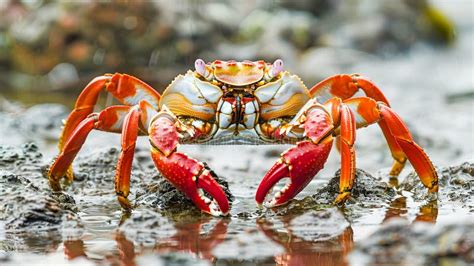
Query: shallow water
point(299, 234)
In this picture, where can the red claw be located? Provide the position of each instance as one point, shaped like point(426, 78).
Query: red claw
point(190, 176)
point(300, 163)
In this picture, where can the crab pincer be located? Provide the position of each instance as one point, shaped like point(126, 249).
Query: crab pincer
point(188, 175)
point(300, 164)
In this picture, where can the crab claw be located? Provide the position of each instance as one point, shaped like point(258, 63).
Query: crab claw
point(194, 179)
point(300, 163)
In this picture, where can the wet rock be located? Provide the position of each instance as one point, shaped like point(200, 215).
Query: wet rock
point(26, 197)
point(312, 226)
point(146, 228)
point(324, 236)
point(29, 213)
point(96, 170)
point(368, 191)
point(456, 186)
point(400, 243)
point(319, 225)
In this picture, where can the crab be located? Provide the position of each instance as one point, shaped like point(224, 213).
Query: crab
point(232, 102)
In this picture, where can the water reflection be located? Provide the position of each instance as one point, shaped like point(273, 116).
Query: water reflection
point(198, 238)
point(201, 235)
point(427, 212)
point(74, 249)
point(302, 252)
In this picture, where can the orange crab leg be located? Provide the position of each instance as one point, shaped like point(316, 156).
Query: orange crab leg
point(109, 119)
point(84, 106)
point(367, 111)
point(124, 165)
point(127, 89)
point(347, 139)
point(135, 123)
point(415, 154)
point(345, 86)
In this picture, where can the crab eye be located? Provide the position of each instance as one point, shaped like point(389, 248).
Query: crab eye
point(200, 67)
point(203, 70)
point(277, 67)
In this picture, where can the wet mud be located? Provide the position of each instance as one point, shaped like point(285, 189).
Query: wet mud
point(165, 227)
point(398, 242)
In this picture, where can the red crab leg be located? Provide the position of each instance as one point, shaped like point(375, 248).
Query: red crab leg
point(185, 173)
point(301, 162)
point(127, 89)
point(367, 111)
point(109, 119)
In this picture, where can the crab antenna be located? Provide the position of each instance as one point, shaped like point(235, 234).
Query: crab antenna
point(201, 69)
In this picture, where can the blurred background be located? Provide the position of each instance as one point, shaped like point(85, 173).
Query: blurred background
point(419, 52)
point(58, 47)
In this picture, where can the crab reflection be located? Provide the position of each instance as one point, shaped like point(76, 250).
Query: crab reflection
point(304, 252)
point(198, 238)
point(427, 212)
point(201, 235)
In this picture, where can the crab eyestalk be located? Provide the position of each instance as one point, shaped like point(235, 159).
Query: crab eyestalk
point(275, 69)
point(202, 69)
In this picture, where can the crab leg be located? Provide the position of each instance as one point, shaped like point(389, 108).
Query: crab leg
point(367, 111)
point(109, 119)
point(135, 122)
point(415, 154)
point(185, 173)
point(347, 139)
point(345, 86)
point(127, 89)
point(124, 165)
